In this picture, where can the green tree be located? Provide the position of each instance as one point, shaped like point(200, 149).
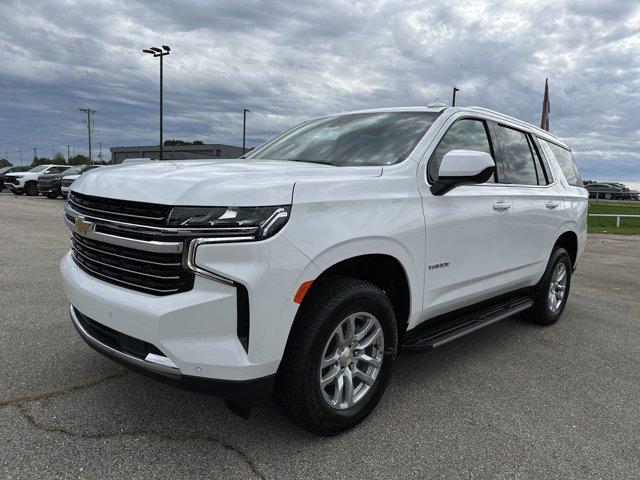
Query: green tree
point(40, 161)
point(79, 160)
point(58, 159)
point(5, 163)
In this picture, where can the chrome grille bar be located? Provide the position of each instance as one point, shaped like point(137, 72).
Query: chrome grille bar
point(89, 259)
point(78, 239)
point(119, 281)
point(108, 212)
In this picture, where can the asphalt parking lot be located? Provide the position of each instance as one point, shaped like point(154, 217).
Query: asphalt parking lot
point(510, 401)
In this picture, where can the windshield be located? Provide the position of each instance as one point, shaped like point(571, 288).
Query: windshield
point(39, 168)
point(73, 171)
point(5, 170)
point(381, 138)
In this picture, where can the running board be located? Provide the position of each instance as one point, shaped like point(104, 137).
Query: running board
point(460, 326)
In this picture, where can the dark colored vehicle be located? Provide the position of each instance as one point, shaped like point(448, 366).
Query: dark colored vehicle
point(50, 184)
point(12, 169)
point(609, 191)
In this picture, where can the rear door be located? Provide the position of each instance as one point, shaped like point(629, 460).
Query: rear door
point(536, 203)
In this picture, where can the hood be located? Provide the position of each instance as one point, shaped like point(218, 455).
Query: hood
point(15, 174)
point(70, 177)
point(234, 182)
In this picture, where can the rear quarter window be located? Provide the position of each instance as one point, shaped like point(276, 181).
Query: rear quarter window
point(567, 163)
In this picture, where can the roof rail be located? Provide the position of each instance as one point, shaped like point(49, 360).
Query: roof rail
point(514, 120)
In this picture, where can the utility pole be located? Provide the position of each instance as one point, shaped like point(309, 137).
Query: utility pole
point(35, 153)
point(88, 112)
point(53, 151)
point(68, 147)
point(453, 101)
point(6, 155)
point(244, 129)
point(20, 155)
point(100, 153)
point(157, 52)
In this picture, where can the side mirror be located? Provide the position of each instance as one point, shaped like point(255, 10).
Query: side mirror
point(463, 166)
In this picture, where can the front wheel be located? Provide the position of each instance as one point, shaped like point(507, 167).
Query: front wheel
point(31, 189)
point(339, 357)
point(52, 195)
point(551, 293)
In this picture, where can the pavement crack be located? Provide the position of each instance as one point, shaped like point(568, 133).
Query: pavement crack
point(61, 390)
point(45, 427)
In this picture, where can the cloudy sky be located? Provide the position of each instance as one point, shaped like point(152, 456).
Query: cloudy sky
point(289, 61)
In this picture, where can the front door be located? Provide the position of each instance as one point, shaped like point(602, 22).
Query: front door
point(466, 228)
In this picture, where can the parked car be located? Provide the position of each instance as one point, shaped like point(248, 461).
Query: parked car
point(299, 273)
point(50, 184)
point(609, 191)
point(6, 170)
point(60, 183)
point(27, 182)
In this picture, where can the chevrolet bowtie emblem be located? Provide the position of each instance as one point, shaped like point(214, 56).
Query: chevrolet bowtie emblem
point(82, 225)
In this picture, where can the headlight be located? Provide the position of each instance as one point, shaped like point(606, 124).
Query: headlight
point(256, 222)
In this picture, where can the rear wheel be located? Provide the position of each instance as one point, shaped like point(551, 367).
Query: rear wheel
point(608, 196)
point(31, 189)
point(551, 293)
point(339, 357)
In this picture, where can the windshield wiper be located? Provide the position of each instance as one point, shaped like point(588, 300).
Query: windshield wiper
point(320, 162)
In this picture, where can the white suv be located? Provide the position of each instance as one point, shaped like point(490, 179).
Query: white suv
point(300, 272)
point(27, 182)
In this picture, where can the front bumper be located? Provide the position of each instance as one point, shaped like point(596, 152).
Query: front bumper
point(48, 189)
point(161, 368)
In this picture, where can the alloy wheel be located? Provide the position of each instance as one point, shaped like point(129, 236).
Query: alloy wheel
point(557, 287)
point(351, 360)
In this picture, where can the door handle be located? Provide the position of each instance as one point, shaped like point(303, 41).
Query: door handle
point(551, 204)
point(502, 205)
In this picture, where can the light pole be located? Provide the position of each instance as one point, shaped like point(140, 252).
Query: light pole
point(157, 52)
point(453, 101)
point(244, 129)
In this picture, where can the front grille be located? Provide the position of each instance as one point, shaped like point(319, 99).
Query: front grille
point(67, 182)
point(11, 180)
point(138, 213)
point(153, 273)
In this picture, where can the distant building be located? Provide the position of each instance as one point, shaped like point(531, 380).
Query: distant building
point(176, 152)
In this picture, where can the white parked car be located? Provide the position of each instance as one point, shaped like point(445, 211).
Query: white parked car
point(302, 271)
point(74, 174)
point(27, 182)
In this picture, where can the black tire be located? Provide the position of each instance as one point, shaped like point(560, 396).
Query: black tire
point(52, 195)
point(541, 312)
point(297, 392)
point(31, 189)
point(17, 192)
point(608, 196)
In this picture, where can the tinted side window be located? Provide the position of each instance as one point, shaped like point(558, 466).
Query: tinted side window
point(465, 134)
point(567, 164)
point(520, 168)
point(542, 166)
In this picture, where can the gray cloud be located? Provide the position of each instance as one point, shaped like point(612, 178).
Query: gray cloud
point(288, 61)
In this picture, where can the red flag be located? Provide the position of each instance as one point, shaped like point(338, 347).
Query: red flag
point(546, 107)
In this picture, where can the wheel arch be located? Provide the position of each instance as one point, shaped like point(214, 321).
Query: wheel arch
point(569, 241)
